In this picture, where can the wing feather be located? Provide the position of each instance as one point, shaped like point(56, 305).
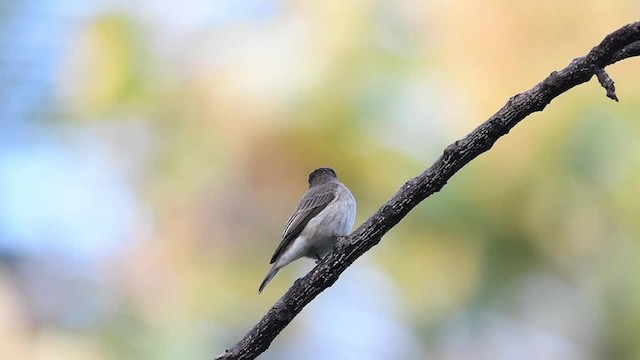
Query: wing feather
point(311, 204)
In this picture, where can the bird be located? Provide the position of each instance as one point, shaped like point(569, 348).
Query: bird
point(325, 212)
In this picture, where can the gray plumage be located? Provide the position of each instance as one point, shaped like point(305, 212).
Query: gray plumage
point(327, 210)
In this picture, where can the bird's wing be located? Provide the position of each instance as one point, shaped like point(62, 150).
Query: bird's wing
point(311, 204)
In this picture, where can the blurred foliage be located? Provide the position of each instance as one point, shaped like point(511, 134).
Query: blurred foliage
point(215, 112)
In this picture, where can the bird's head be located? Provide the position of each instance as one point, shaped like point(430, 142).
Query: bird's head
point(321, 175)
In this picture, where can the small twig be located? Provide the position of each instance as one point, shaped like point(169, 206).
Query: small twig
point(628, 51)
point(607, 83)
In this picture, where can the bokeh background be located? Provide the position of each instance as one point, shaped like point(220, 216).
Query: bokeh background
point(151, 152)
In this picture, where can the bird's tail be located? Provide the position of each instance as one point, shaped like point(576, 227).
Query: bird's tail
point(270, 275)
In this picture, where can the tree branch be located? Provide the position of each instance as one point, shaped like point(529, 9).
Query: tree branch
point(619, 45)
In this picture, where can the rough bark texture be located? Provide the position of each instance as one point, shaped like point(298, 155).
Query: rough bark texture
point(619, 45)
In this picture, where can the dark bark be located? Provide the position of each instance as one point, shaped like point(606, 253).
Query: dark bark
point(619, 45)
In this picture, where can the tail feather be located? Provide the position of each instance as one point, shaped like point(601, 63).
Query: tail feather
point(270, 275)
